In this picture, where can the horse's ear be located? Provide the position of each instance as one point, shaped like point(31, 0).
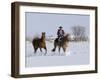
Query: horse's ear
point(43, 32)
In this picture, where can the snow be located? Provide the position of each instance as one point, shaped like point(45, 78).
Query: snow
point(77, 53)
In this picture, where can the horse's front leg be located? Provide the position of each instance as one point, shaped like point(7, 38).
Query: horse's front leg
point(55, 45)
point(45, 50)
point(59, 49)
point(64, 49)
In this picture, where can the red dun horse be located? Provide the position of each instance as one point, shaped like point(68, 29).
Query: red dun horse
point(39, 43)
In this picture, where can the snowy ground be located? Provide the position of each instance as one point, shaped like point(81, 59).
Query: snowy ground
point(77, 54)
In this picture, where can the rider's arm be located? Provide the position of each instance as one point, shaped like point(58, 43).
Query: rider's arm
point(58, 32)
point(63, 32)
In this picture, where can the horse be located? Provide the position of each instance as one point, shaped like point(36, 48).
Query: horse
point(63, 43)
point(39, 43)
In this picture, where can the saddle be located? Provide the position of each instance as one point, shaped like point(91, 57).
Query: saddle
point(59, 39)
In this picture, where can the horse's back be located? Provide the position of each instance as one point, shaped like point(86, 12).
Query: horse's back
point(37, 42)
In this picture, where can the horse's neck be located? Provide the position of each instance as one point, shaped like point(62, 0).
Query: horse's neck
point(43, 38)
point(65, 39)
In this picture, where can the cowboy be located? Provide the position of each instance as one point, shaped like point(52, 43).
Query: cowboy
point(60, 33)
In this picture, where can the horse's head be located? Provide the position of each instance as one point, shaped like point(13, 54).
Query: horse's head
point(43, 34)
point(67, 37)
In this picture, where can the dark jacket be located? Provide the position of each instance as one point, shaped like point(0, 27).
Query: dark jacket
point(60, 33)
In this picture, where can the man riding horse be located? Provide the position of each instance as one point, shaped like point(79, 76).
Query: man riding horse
point(60, 33)
point(61, 41)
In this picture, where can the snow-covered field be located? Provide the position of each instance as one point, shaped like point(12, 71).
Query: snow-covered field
point(77, 53)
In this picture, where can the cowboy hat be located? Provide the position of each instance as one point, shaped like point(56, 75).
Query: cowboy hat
point(60, 27)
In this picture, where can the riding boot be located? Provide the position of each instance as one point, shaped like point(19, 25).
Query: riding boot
point(59, 39)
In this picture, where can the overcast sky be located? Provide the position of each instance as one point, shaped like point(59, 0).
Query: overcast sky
point(36, 23)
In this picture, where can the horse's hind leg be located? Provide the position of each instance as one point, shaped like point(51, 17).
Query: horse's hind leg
point(35, 49)
point(40, 49)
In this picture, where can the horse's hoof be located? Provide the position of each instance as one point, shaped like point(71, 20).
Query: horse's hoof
point(53, 50)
